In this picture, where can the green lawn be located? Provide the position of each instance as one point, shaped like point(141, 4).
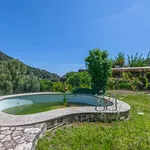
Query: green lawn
point(126, 135)
point(36, 108)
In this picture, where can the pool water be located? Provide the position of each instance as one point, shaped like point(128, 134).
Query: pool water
point(39, 107)
point(30, 104)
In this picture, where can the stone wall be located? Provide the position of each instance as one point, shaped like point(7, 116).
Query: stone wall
point(86, 117)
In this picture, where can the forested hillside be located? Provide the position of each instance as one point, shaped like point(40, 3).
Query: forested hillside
point(17, 77)
point(43, 74)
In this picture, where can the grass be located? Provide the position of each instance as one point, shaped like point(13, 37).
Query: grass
point(133, 134)
point(39, 107)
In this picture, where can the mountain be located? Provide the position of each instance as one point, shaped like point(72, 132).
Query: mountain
point(40, 73)
point(4, 57)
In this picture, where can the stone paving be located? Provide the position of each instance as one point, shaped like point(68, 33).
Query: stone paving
point(22, 137)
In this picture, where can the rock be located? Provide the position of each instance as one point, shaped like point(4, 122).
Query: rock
point(19, 128)
point(6, 132)
point(17, 133)
point(17, 137)
point(7, 138)
point(2, 148)
point(1, 145)
point(2, 136)
point(29, 137)
point(4, 128)
point(20, 141)
point(24, 146)
point(9, 144)
point(32, 130)
point(12, 128)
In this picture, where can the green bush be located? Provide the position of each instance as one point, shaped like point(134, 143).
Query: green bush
point(128, 84)
point(145, 82)
point(58, 87)
point(136, 85)
point(148, 87)
point(111, 83)
point(82, 90)
point(125, 85)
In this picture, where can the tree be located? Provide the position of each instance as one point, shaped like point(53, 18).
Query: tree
point(27, 84)
point(79, 79)
point(6, 86)
point(119, 60)
point(99, 67)
point(17, 70)
point(45, 85)
point(68, 74)
point(58, 87)
point(31, 84)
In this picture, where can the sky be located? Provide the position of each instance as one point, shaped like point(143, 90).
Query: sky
point(57, 35)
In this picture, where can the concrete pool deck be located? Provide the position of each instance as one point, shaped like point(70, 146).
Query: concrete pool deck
point(21, 132)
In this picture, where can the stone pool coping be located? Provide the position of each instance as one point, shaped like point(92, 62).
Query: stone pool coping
point(21, 120)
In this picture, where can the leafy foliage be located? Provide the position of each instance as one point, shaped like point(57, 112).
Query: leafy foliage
point(45, 85)
point(43, 74)
point(126, 84)
point(78, 80)
point(83, 90)
point(68, 74)
point(58, 87)
point(119, 60)
point(99, 67)
point(16, 77)
point(4, 57)
point(137, 60)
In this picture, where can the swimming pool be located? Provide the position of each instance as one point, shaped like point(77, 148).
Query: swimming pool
point(17, 104)
point(85, 111)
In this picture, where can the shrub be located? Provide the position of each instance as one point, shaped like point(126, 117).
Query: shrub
point(82, 90)
point(58, 87)
point(145, 82)
point(136, 85)
point(148, 87)
point(111, 83)
point(124, 84)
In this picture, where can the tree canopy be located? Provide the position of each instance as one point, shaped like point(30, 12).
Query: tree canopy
point(99, 67)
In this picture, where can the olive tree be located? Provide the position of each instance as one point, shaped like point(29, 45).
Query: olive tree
point(99, 68)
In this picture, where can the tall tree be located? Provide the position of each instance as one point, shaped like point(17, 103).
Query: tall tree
point(6, 86)
point(17, 70)
point(99, 67)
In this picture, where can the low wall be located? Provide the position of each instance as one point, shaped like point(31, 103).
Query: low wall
point(86, 117)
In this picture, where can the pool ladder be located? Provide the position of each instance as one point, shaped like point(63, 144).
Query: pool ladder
point(111, 98)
